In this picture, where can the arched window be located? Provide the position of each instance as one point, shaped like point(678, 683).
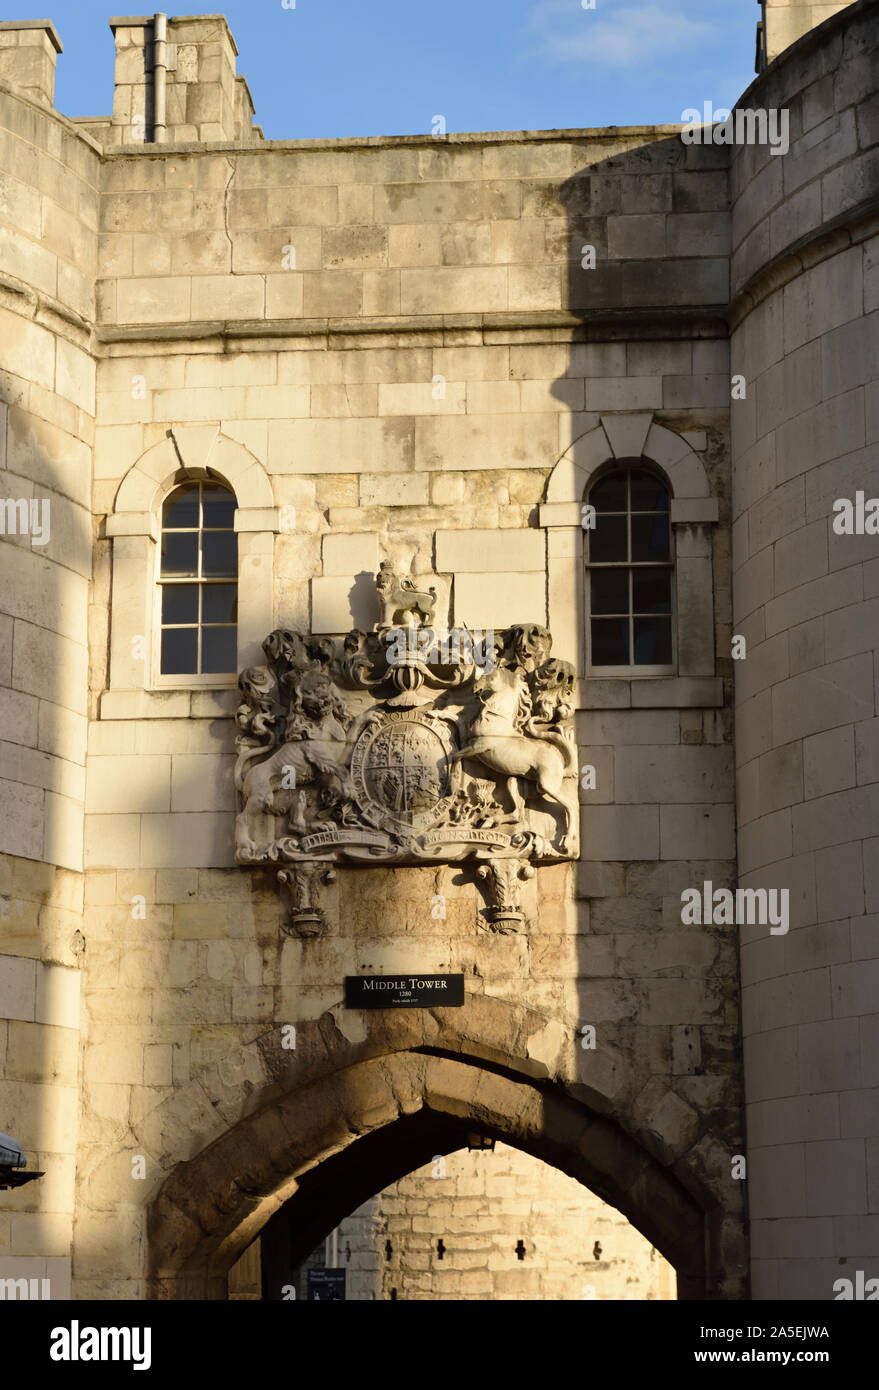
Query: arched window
point(629, 574)
point(198, 582)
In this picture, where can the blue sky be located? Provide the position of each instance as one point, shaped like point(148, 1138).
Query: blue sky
point(387, 67)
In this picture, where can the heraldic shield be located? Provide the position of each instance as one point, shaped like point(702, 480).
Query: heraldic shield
point(407, 746)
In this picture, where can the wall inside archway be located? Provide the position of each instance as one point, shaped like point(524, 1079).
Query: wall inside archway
point(326, 1147)
point(510, 1227)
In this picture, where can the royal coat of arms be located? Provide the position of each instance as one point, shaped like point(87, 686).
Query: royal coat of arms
point(407, 746)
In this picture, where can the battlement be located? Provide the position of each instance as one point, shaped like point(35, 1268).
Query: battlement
point(28, 51)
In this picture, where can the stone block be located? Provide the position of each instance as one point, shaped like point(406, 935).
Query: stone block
point(829, 1056)
point(193, 839)
point(475, 552)
point(854, 987)
point(339, 603)
point(610, 833)
point(466, 442)
point(534, 287)
point(57, 996)
point(781, 778)
point(835, 1178)
point(202, 782)
point(350, 554)
point(393, 490)
point(227, 296)
point(453, 290)
point(837, 693)
point(493, 397)
point(673, 774)
point(499, 599)
point(771, 1063)
point(156, 300)
point(829, 762)
point(419, 398)
point(776, 1181)
point(18, 985)
point(127, 784)
point(21, 819)
point(818, 597)
point(367, 446)
point(702, 832)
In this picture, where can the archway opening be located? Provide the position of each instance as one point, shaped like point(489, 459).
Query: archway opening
point(327, 1147)
point(483, 1221)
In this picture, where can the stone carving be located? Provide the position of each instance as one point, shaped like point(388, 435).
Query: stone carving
point(503, 877)
point(401, 746)
point(399, 597)
point(306, 917)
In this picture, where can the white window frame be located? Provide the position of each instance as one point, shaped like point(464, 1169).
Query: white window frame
point(179, 680)
point(626, 438)
point(136, 688)
point(634, 670)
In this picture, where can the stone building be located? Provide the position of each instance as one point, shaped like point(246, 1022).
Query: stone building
point(238, 377)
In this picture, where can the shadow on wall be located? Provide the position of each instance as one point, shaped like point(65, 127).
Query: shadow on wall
point(648, 279)
point(45, 568)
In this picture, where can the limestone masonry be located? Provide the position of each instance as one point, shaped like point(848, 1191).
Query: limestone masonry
point(419, 559)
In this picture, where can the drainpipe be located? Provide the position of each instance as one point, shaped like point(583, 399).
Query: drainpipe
point(160, 69)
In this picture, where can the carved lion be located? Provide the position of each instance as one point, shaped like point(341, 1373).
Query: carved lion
point(400, 598)
point(313, 749)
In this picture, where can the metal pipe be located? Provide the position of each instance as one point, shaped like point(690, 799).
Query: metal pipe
point(160, 71)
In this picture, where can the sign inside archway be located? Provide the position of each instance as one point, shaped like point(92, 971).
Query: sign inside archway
point(407, 745)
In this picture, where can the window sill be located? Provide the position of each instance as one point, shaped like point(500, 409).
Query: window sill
point(204, 703)
point(651, 692)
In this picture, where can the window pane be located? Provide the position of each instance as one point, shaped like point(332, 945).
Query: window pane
point(181, 508)
point(218, 507)
point(648, 493)
point(653, 641)
point(609, 540)
point(610, 642)
point(609, 591)
point(218, 649)
point(650, 537)
point(219, 603)
point(179, 603)
point(180, 552)
point(609, 495)
point(219, 552)
point(179, 651)
point(651, 591)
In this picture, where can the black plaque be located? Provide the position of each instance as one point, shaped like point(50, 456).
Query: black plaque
point(326, 1285)
point(404, 991)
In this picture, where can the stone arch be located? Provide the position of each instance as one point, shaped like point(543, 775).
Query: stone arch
point(693, 507)
point(201, 451)
point(186, 452)
point(626, 437)
point(210, 1207)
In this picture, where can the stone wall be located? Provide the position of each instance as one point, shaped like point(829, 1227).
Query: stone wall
point(424, 379)
point(396, 348)
point(788, 20)
point(805, 598)
point(422, 383)
point(48, 235)
point(480, 1205)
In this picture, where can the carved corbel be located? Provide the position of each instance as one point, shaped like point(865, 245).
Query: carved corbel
point(303, 882)
point(503, 879)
